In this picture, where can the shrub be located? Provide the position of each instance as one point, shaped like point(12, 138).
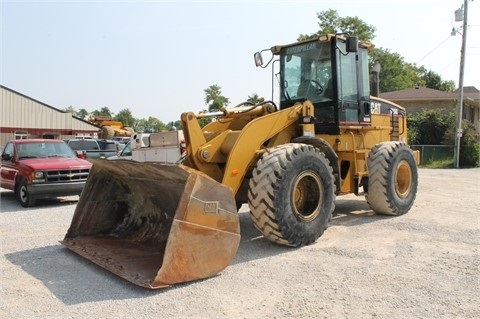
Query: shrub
point(469, 144)
point(428, 127)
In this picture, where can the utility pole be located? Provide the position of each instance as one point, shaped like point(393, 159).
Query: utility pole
point(458, 131)
point(376, 79)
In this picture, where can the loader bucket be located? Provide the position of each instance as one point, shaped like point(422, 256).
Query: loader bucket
point(154, 224)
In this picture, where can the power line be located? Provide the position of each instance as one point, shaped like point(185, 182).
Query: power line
point(434, 49)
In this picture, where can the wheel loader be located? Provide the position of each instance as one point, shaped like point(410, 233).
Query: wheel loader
point(157, 225)
point(110, 128)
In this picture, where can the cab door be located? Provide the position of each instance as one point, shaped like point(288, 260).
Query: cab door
point(353, 86)
point(7, 167)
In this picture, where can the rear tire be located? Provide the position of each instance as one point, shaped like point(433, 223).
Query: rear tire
point(292, 194)
point(108, 132)
point(392, 178)
point(23, 196)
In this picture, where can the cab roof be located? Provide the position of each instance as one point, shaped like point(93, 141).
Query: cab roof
point(324, 38)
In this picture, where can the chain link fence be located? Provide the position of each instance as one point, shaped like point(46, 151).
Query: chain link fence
point(433, 153)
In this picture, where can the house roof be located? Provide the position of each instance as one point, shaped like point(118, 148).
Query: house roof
point(423, 93)
point(46, 105)
point(470, 92)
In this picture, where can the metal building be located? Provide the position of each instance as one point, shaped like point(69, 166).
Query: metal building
point(24, 117)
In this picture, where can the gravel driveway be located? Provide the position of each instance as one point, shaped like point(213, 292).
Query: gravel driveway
point(424, 264)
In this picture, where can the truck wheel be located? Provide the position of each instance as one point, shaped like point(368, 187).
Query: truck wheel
point(292, 194)
point(392, 178)
point(107, 132)
point(327, 150)
point(129, 129)
point(24, 197)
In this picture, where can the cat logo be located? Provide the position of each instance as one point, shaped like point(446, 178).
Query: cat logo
point(375, 108)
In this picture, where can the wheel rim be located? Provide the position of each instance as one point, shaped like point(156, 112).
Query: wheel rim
point(403, 179)
point(23, 194)
point(307, 196)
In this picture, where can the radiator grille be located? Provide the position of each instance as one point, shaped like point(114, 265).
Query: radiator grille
point(72, 175)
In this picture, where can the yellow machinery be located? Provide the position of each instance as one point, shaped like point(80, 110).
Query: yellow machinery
point(156, 225)
point(110, 128)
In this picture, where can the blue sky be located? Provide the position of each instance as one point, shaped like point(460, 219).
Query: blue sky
point(157, 57)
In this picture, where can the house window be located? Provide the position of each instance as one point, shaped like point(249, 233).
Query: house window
point(20, 135)
point(50, 136)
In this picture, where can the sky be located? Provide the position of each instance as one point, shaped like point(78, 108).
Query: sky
point(156, 58)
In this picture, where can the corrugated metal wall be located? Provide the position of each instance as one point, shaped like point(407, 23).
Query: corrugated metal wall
point(20, 113)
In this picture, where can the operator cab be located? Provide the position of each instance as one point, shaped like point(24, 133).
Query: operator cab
point(332, 72)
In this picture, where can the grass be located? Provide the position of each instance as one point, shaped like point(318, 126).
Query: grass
point(439, 164)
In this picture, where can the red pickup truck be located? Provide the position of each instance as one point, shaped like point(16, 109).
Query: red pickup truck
point(41, 168)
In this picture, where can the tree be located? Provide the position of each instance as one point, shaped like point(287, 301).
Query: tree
point(177, 125)
point(125, 116)
point(331, 22)
point(395, 73)
point(254, 98)
point(150, 125)
point(433, 80)
point(70, 109)
point(214, 98)
point(82, 113)
point(104, 111)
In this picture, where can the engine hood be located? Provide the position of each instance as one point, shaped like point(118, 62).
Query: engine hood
point(50, 163)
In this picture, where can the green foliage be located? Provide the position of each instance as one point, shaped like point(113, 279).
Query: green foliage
point(437, 127)
point(429, 126)
point(204, 121)
point(440, 164)
point(70, 109)
point(331, 22)
point(82, 113)
point(104, 111)
point(254, 98)
point(125, 116)
point(469, 144)
point(214, 98)
point(150, 125)
point(395, 73)
point(434, 81)
point(177, 125)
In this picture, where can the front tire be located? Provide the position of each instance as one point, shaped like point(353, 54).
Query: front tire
point(392, 178)
point(292, 194)
point(23, 196)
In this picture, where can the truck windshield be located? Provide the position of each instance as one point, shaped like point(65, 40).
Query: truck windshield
point(127, 150)
point(83, 145)
point(307, 72)
point(43, 150)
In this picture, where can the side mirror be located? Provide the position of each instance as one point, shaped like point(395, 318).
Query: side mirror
point(258, 59)
point(352, 44)
point(6, 157)
point(366, 108)
point(81, 154)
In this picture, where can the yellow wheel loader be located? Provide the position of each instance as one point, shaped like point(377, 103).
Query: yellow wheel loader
point(110, 128)
point(157, 225)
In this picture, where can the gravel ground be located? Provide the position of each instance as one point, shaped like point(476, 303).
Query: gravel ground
point(424, 264)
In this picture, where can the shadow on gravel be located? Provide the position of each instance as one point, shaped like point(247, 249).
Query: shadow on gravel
point(353, 212)
point(10, 204)
point(72, 279)
point(75, 280)
point(253, 246)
